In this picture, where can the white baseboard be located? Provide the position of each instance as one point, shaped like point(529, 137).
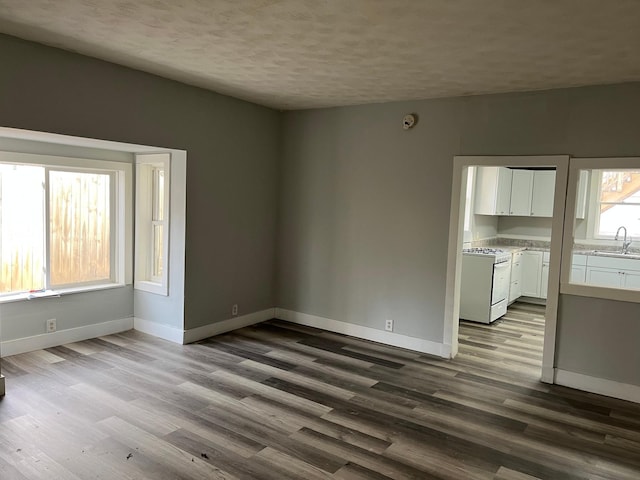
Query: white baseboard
point(195, 334)
point(367, 333)
point(61, 337)
point(601, 386)
point(548, 374)
point(166, 332)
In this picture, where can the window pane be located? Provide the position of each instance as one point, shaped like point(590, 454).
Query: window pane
point(157, 251)
point(21, 228)
point(619, 202)
point(619, 185)
point(80, 227)
point(615, 216)
point(158, 194)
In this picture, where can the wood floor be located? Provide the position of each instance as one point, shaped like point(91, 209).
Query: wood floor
point(279, 401)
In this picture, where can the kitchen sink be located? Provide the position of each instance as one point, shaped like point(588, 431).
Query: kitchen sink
point(606, 253)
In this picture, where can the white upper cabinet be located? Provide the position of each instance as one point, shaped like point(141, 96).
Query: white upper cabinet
point(523, 193)
point(493, 191)
point(544, 185)
point(521, 190)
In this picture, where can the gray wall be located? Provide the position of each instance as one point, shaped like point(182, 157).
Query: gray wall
point(599, 338)
point(365, 205)
point(364, 214)
point(233, 150)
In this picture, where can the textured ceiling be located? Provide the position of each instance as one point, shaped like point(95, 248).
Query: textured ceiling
point(293, 54)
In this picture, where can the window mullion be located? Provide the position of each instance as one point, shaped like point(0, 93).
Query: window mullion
point(47, 230)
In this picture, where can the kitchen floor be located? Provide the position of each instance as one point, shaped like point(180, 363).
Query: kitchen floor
point(512, 344)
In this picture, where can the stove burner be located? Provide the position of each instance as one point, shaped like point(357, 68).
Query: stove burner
point(484, 251)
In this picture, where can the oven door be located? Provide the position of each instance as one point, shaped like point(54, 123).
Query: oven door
point(501, 274)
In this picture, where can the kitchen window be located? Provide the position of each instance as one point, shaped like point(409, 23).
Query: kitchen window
point(60, 223)
point(617, 202)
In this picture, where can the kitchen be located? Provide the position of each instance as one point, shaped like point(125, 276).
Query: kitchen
point(507, 237)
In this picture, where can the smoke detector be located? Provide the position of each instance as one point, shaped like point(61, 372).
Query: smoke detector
point(408, 121)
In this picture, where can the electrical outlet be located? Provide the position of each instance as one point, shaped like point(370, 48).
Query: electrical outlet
point(388, 325)
point(234, 310)
point(51, 325)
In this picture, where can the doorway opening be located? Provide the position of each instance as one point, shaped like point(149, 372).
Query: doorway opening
point(505, 285)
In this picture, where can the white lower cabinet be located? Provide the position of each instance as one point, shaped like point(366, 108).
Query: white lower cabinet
point(535, 273)
point(544, 279)
point(613, 272)
point(578, 269)
point(604, 277)
point(531, 273)
point(631, 280)
point(515, 288)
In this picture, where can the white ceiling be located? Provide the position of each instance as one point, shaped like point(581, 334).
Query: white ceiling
point(293, 54)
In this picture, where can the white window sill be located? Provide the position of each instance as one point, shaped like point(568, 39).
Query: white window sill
point(151, 287)
point(21, 297)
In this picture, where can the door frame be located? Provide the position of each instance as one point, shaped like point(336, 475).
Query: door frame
point(454, 255)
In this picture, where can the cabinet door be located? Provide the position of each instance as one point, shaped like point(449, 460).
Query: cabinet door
point(492, 191)
point(503, 194)
point(544, 280)
point(631, 280)
point(521, 188)
point(544, 185)
point(578, 274)
point(604, 277)
point(515, 289)
point(531, 273)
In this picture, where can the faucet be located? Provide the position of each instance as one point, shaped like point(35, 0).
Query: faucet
point(625, 243)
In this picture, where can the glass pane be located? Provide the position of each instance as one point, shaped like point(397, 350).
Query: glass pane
point(612, 217)
point(157, 251)
point(80, 227)
point(158, 194)
point(21, 228)
point(619, 185)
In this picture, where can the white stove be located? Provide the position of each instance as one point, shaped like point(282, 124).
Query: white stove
point(485, 284)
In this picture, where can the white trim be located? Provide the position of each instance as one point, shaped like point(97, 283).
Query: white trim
point(566, 287)
point(166, 332)
point(367, 333)
point(195, 334)
point(143, 279)
point(62, 337)
point(601, 386)
point(452, 295)
point(547, 374)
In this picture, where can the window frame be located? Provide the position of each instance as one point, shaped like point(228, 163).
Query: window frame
point(595, 204)
point(144, 279)
point(586, 290)
point(120, 195)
